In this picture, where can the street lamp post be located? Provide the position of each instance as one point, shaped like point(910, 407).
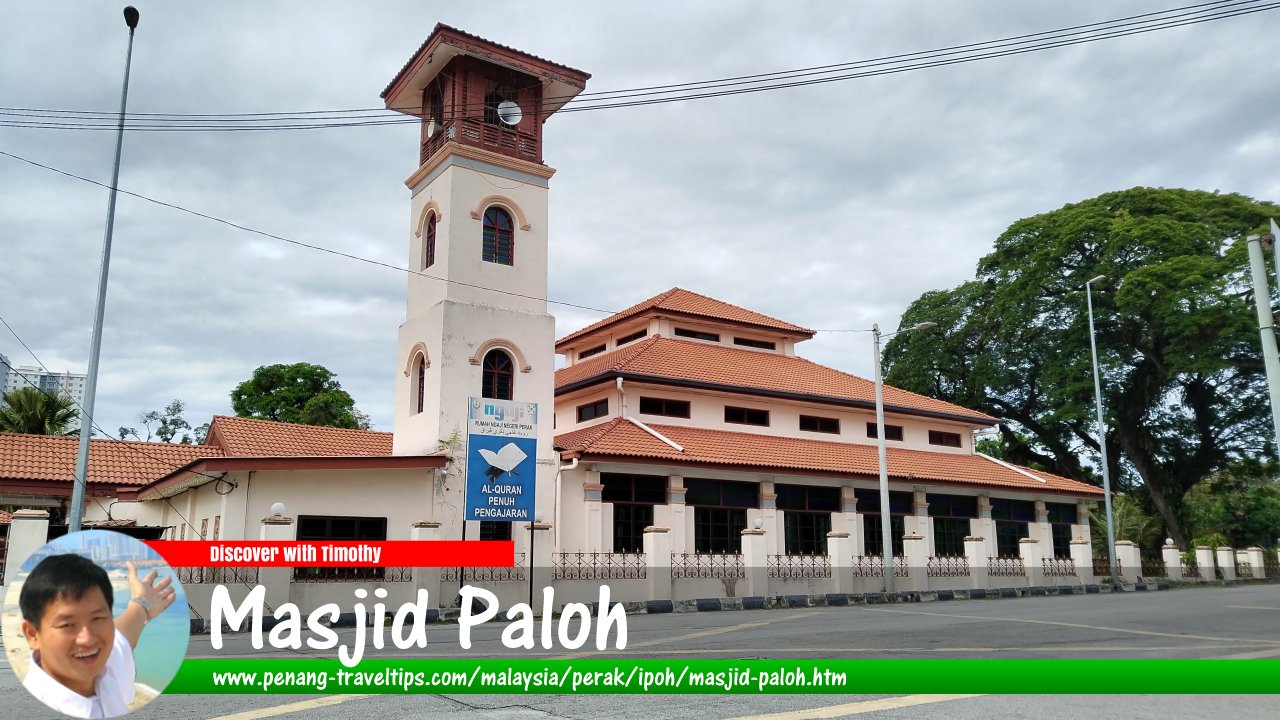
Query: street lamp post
point(886, 534)
point(1102, 430)
point(95, 349)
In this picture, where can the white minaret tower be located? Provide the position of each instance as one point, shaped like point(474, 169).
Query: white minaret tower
point(476, 321)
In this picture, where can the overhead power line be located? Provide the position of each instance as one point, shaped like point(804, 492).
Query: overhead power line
point(659, 94)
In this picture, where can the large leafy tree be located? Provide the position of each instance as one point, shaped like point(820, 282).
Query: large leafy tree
point(168, 425)
point(299, 393)
point(1176, 331)
point(31, 410)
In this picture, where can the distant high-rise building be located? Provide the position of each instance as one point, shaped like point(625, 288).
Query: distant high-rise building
point(4, 374)
point(64, 383)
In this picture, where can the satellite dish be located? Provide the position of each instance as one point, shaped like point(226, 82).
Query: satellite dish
point(431, 128)
point(509, 112)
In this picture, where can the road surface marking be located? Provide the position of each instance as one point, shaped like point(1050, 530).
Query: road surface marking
point(1252, 607)
point(1104, 628)
point(290, 708)
point(857, 708)
point(690, 636)
point(1259, 655)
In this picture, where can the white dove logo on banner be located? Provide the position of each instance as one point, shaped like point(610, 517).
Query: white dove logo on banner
point(504, 461)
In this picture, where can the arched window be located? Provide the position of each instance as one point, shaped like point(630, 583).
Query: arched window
point(419, 383)
point(429, 243)
point(499, 375)
point(499, 237)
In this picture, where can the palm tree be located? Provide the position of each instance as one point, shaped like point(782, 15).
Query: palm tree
point(29, 410)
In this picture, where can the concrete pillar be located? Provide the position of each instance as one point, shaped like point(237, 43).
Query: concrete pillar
point(1129, 557)
point(840, 555)
point(1172, 561)
point(1227, 562)
point(540, 561)
point(1254, 555)
point(1040, 529)
point(427, 578)
point(1204, 563)
point(756, 560)
point(657, 556)
point(28, 532)
point(919, 522)
point(770, 519)
point(1029, 549)
point(681, 540)
point(975, 550)
point(1082, 556)
point(594, 513)
point(916, 556)
point(984, 527)
point(276, 528)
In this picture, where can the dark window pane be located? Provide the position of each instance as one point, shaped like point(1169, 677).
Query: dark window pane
point(749, 342)
point(871, 535)
point(1008, 533)
point(697, 334)
point(493, 530)
point(891, 432)
point(805, 533)
point(718, 530)
point(499, 241)
point(664, 406)
point(499, 374)
point(746, 416)
point(813, 423)
point(948, 536)
point(593, 351)
point(594, 410)
point(947, 439)
point(632, 337)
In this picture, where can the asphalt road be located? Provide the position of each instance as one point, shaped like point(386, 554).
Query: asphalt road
point(1240, 622)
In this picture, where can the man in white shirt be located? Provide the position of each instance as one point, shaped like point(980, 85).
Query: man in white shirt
point(82, 658)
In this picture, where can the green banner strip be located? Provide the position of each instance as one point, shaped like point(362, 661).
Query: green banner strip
point(820, 677)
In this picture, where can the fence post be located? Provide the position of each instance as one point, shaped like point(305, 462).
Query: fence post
point(756, 561)
point(1204, 563)
point(1255, 561)
point(1172, 561)
point(427, 578)
point(276, 580)
point(1029, 549)
point(840, 558)
point(1129, 557)
point(657, 554)
point(975, 550)
point(1082, 556)
point(913, 554)
point(28, 532)
point(1227, 563)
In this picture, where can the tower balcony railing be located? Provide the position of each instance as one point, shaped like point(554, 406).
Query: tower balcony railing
point(477, 133)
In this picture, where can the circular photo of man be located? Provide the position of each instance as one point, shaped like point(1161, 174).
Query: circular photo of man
point(95, 624)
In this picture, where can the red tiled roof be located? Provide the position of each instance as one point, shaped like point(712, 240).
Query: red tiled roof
point(442, 29)
point(678, 300)
point(736, 368)
point(266, 438)
point(622, 439)
point(111, 462)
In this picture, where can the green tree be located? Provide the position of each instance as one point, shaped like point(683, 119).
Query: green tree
point(170, 426)
point(1239, 504)
point(1176, 332)
point(299, 393)
point(30, 410)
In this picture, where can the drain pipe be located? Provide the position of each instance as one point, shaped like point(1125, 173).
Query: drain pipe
point(641, 425)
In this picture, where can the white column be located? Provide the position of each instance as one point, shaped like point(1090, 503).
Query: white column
point(276, 580)
point(1204, 563)
point(1129, 557)
point(1029, 549)
point(681, 540)
point(916, 557)
point(755, 559)
point(1227, 561)
point(28, 532)
point(840, 556)
point(594, 511)
point(1172, 561)
point(1082, 556)
point(657, 557)
point(975, 550)
point(540, 560)
point(1255, 561)
point(425, 578)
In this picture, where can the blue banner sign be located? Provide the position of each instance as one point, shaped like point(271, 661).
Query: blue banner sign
point(502, 449)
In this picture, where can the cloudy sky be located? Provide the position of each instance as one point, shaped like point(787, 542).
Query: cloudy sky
point(832, 206)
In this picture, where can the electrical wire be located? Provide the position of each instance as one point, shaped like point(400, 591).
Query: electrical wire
point(656, 94)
